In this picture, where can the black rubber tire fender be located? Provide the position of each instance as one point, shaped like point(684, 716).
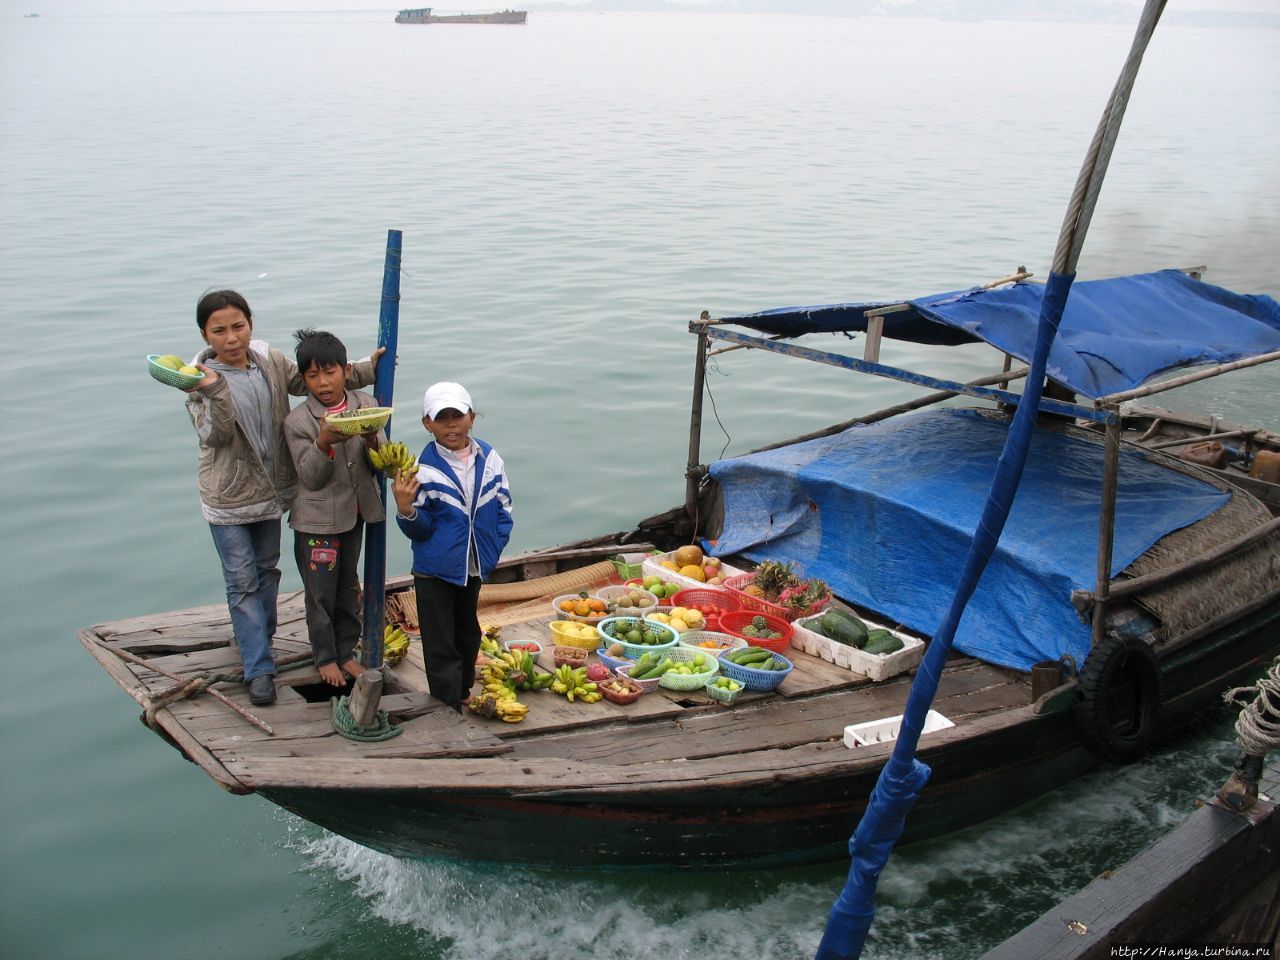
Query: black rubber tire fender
point(1118, 703)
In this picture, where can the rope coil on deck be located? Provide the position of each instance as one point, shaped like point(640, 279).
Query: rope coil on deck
point(345, 724)
point(1258, 726)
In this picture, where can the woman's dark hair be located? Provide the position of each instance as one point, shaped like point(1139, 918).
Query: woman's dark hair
point(215, 300)
point(319, 349)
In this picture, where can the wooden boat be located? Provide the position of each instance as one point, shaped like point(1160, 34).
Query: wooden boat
point(1214, 879)
point(1248, 456)
point(424, 15)
point(678, 779)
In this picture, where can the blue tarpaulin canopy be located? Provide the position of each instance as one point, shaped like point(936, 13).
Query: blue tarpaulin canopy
point(885, 514)
point(1115, 334)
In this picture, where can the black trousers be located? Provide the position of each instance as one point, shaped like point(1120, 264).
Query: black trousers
point(450, 635)
point(330, 569)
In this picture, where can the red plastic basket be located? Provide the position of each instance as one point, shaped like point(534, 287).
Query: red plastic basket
point(733, 622)
point(712, 601)
point(736, 587)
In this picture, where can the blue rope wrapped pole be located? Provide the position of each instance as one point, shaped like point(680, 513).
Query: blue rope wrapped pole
point(904, 776)
point(375, 534)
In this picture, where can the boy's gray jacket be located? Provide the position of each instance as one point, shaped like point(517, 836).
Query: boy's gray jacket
point(231, 475)
point(331, 489)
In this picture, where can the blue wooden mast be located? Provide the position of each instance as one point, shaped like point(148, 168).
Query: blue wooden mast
point(375, 534)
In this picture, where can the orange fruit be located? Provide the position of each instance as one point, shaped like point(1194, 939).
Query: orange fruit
point(567, 606)
point(582, 608)
point(597, 605)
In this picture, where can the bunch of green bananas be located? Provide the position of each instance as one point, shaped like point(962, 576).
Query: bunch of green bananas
point(395, 644)
point(391, 458)
point(533, 680)
point(572, 683)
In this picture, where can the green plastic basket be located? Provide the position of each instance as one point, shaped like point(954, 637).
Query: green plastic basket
point(171, 377)
point(723, 695)
point(689, 681)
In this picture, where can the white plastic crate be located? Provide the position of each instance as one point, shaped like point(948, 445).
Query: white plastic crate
point(653, 567)
point(886, 730)
point(870, 665)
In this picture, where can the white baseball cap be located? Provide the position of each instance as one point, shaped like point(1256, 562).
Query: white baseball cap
point(444, 396)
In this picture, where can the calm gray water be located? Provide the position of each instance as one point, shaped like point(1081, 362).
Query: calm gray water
point(571, 194)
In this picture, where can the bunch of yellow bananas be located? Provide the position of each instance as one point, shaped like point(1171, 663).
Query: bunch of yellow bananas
point(499, 677)
point(491, 640)
point(395, 644)
point(391, 458)
point(572, 683)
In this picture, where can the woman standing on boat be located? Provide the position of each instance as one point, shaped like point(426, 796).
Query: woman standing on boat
point(246, 477)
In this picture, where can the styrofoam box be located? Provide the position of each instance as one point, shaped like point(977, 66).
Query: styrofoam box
point(653, 566)
point(870, 665)
point(886, 730)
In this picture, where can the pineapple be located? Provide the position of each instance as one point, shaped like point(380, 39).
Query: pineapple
point(773, 577)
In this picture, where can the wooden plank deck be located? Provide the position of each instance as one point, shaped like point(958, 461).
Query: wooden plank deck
point(800, 724)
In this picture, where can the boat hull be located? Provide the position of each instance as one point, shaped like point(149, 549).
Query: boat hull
point(791, 820)
point(787, 824)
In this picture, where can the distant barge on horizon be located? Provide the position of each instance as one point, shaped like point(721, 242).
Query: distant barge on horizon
point(424, 15)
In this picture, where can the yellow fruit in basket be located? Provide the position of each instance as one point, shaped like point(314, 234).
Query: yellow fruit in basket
point(690, 556)
point(693, 618)
point(679, 612)
point(659, 617)
point(171, 361)
point(669, 564)
point(188, 369)
point(693, 572)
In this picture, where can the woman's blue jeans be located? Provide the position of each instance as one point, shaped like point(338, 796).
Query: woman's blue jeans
point(250, 554)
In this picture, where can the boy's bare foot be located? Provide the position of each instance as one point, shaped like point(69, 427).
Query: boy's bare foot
point(352, 669)
point(331, 675)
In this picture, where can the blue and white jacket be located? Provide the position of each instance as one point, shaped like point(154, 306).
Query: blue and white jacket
point(442, 529)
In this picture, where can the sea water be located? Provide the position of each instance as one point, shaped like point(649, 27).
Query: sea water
point(572, 193)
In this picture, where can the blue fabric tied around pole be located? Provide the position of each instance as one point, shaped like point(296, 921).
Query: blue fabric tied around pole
point(896, 792)
point(892, 797)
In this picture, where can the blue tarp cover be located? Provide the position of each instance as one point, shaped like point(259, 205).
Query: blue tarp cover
point(1115, 334)
point(885, 513)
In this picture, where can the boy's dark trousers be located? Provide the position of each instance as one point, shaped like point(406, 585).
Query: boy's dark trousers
point(329, 564)
point(450, 635)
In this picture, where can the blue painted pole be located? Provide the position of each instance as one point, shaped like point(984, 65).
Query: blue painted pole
point(375, 534)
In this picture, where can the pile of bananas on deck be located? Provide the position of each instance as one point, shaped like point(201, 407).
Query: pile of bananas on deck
point(500, 678)
point(391, 458)
point(572, 684)
point(490, 641)
point(395, 644)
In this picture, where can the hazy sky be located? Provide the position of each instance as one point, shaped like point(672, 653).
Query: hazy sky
point(53, 7)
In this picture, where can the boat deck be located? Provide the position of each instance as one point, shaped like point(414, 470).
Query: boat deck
point(810, 709)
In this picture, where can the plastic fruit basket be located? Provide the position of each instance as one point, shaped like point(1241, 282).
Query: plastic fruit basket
point(173, 378)
point(573, 656)
point(689, 681)
point(646, 686)
point(611, 594)
point(737, 588)
point(623, 698)
point(532, 647)
point(733, 622)
point(355, 422)
point(711, 602)
point(613, 663)
point(565, 636)
point(572, 615)
point(709, 641)
point(754, 678)
point(723, 695)
point(635, 650)
point(628, 566)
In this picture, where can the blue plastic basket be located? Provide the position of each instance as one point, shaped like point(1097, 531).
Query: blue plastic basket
point(613, 663)
point(635, 650)
point(754, 679)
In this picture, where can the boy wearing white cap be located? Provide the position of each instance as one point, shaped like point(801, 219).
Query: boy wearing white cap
point(456, 511)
